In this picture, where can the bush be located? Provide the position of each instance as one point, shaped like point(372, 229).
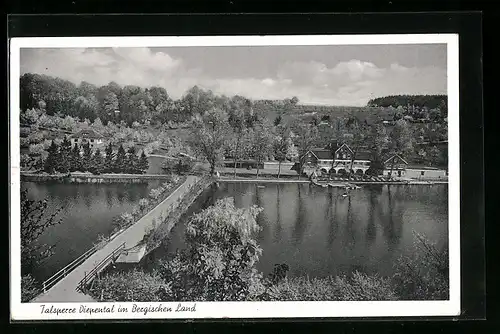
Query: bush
point(131, 286)
point(36, 149)
point(29, 288)
point(101, 241)
point(124, 220)
point(357, 287)
point(156, 193)
point(143, 203)
point(425, 275)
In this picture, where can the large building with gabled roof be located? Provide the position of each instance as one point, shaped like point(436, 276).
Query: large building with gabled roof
point(338, 160)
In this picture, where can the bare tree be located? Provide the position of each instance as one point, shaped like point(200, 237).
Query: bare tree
point(262, 143)
point(305, 139)
point(209, 136)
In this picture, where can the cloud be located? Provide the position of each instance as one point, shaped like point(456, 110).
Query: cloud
point(351, 82)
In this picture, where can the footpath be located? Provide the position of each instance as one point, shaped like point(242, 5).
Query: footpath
point(65, 289)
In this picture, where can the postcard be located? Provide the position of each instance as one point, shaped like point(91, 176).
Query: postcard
point(234, 177)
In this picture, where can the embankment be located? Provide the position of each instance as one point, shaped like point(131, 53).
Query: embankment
point(91, 178)
point(155, 237)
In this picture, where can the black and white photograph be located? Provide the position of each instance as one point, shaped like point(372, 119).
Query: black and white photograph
point(295, 175)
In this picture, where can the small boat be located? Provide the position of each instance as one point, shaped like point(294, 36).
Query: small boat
point(260, 186)
point(344, 195)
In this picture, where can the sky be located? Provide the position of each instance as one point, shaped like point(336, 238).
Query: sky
point(329, 75)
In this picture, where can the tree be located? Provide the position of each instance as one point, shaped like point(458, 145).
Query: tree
point(110, 105)
point(35, 220)
point(64, 164)
point(87, 157)
point(52, 158)
point(131, 161)
point(238, 145)
point(196, 101)
point(185, 165)
point(209, 136)
point(219, 261)
point(97, 164)
point(400, 140)
point(120, 161)
point(305, 137)
point(143, 163)
point(75, 159)
point(277, 120)
point(262, 143)
point(358, 135)
point(109, 159)
point(377, 141)
point(282, 145)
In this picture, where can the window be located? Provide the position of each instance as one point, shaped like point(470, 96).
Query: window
point(422, 173)
point(92, 140)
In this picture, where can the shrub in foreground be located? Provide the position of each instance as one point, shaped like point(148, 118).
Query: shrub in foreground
point(132, 286)
point(425, 275)
point(29, 288)
point(357, 287)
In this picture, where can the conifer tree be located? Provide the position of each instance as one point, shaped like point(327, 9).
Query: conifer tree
point(143, 163)
point(87, 157)
point(75, 159)
point(132, 161)
point(109, 160)
point(119, 165)
point(97, 163)
point(65, 156)
point(51, 161)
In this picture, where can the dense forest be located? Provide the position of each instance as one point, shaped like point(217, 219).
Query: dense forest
point(128, 104)
point(416, 101)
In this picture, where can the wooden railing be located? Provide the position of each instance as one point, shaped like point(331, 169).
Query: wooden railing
point(51, 281)
point(97, 269)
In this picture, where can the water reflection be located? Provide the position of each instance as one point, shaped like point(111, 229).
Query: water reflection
point(87, 211)
point(318, 232)
point(278, 228)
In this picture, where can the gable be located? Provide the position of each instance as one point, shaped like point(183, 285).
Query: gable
point(397, 160)
point(344, 148)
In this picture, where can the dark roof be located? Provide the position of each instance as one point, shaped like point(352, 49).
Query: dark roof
point(363, 155)
point(87, 133)
point(344, 145)
point(322, 153)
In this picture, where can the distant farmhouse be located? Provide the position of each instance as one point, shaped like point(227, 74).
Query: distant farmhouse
point(92, 137)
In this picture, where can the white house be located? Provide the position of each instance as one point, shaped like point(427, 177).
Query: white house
point(82, 137)
point(426, 173)
point(395, 166)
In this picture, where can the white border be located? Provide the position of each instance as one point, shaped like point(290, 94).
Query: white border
point(31, 311)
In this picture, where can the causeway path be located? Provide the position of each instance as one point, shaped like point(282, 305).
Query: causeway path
point(65, 289)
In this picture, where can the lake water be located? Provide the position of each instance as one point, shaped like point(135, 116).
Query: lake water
point(87, 211)
point(317, 232)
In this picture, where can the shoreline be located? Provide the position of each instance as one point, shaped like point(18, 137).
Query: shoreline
point(136, 178)
point(75, 177)
point(337, 183)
